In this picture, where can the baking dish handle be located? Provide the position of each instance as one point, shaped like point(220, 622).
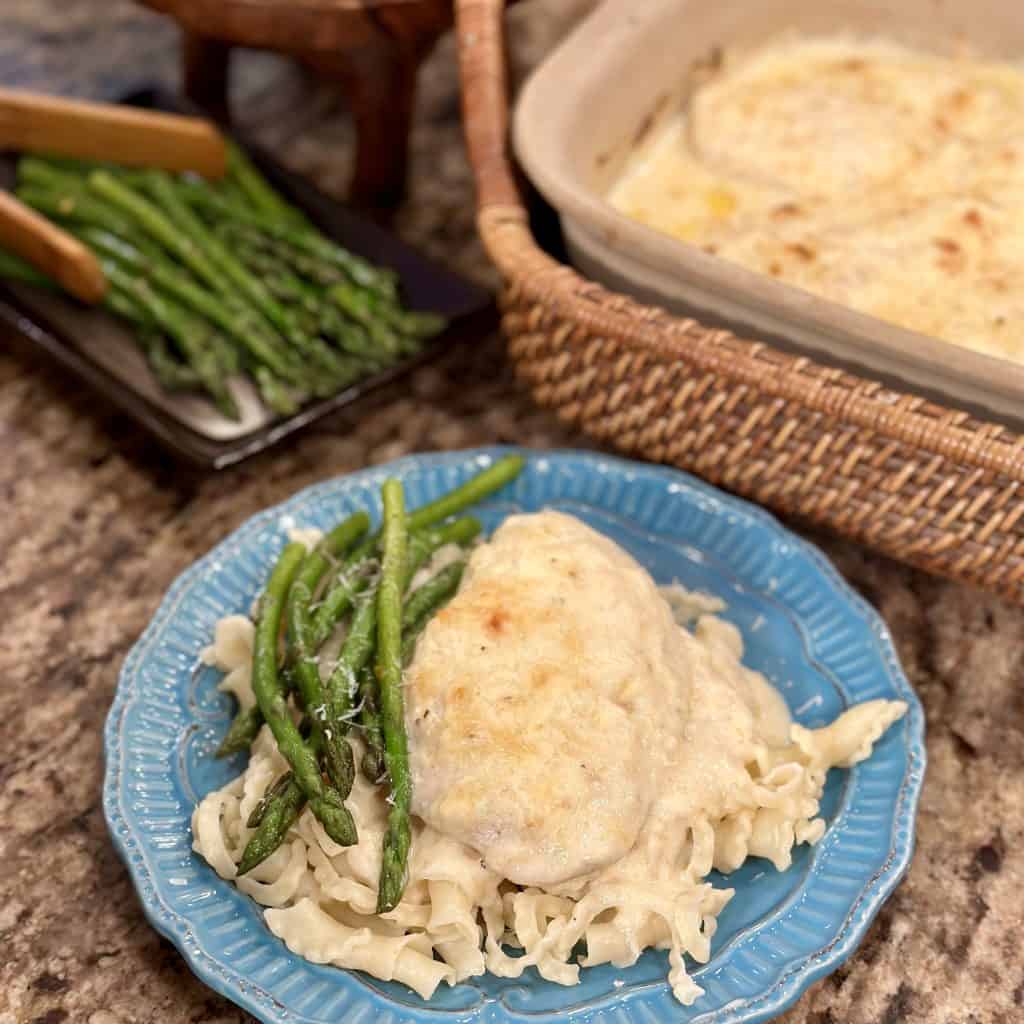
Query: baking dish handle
point(481, 39)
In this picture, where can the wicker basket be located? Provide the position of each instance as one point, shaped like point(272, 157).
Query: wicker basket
point(929, 485)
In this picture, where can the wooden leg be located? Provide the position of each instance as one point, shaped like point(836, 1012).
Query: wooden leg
point(380, 86)
point(382, 103)
point(204, 73)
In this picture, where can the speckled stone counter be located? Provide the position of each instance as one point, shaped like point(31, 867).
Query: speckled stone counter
point(96, 523)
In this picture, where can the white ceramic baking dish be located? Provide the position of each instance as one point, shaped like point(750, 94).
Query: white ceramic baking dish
point(627, 68)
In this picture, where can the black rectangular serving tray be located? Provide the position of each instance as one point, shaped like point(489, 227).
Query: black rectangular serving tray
point(41, 319)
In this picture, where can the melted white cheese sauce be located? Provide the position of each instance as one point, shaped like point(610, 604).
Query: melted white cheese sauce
point(560, 719)
point(882, 178)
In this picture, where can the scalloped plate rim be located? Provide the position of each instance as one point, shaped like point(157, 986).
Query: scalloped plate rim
point(779, 996)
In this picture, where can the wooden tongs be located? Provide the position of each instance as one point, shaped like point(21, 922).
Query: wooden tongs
point(34, 123)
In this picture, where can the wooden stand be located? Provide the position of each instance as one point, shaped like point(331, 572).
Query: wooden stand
point(372, 50)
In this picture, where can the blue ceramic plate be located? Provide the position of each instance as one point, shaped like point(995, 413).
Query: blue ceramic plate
point(804, 628)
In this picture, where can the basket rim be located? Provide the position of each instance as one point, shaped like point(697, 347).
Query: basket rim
point(565, 296)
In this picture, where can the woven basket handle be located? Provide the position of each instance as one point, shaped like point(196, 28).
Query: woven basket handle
point(481, 38)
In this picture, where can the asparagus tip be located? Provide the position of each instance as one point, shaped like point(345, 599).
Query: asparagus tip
point(337, 821)
point(252, 856)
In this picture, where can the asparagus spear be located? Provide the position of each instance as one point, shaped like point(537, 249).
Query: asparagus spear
point(336, 750)
point(367, 308)
point(171, 373)
point(266, 683)
point(213, 264)
point(338, 693)
point(357, 319)
point(230, 188)
point(475, 489)
point(377, 320)
point(81, 215)
point(397, 838)
point(75, 206)
point(68, 169)
point(274, 393)
point(285, 282)
point(124, 306)
point(98, 196)
point(257, 190)
point(283, 291)
point(247, 723)
point(43, 174)
point(241, 733)
point(329, 370)
point(162, 190)
point(353, 578)
point(422, 604)
point(372, 764)
point(425, 601)
point(275, 792)
point(276, 818)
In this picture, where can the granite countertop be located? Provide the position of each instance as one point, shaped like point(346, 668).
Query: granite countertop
point(97, 522)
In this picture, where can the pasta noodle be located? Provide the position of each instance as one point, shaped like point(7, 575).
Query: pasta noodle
point(459, 918)
point(231, 651)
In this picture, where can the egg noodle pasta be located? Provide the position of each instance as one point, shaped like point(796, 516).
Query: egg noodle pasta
point(460, 916)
